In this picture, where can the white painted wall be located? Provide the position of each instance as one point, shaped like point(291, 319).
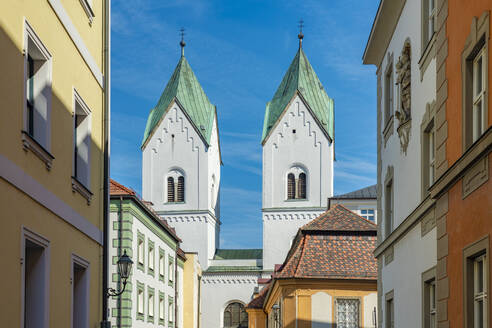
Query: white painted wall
point(196, 220)
point(356, 205)
point(321, 310)
point(308, 148)
point(369, 303)
point(143, 277)
point(413, 254)
point(219, 290)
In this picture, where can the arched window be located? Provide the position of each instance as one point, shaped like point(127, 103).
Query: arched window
point(235, 316)
point(301, 186)
point(180, 197)
point(170, 190)
point(291, 186)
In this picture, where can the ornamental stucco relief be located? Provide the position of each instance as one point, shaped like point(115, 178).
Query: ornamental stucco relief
point(404, 113)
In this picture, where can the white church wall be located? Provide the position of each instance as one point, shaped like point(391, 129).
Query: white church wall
point(219, 290)
point(297, 140)
point(214, 172)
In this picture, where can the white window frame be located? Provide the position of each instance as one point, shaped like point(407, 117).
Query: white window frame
point(38, 143)
point(478, 113)
point(80, 103)
point(296, 170)
point(162, 307)
point(480, 296)
point(43, 306)
point(170, 270)
point(84, 322)
point(175, 174)
point(368, 215)
point(141, 251)
point(359, 312)
point(89, 9)
point(150, 304)
point(170, 310)
point(431, 19)
point(140, 300)
point(162, 264)
point(151, 256)
point(389, 94)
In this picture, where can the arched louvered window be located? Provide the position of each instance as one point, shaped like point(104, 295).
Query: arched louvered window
point(235, 316)
point(291, 186)
point(301, 186)
point(170, 190)
point(181, 190)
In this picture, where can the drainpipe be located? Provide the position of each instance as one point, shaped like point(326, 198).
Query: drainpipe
point(106, 126)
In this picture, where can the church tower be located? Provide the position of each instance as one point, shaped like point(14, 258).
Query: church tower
point(181, 162)
point(298, 153)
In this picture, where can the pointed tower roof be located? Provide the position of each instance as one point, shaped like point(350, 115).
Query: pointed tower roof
point(301, 78)
point(188, 93)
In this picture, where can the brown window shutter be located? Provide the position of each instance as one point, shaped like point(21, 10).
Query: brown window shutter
point(180, 189)
point(291, 186)
point(170, 190)
point(301, 185)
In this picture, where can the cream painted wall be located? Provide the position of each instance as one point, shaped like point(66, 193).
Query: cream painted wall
point(321, 310)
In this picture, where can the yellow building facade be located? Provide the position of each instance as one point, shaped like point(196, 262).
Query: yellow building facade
point(192, 275)
point(328, 278)
point(54, 107)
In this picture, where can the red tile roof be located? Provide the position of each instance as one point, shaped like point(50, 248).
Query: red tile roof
point(118, 189)
point(339, 218)
point(257, 302)
point(338, 244)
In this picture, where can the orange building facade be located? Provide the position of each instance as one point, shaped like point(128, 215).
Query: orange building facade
point(463, 191)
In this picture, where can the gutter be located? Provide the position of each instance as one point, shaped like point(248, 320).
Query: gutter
point(105, 323)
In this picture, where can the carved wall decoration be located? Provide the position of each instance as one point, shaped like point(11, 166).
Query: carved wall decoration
point(404, 82)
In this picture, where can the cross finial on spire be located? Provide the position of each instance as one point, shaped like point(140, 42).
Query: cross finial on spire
point(182, 43)
point(300, 35)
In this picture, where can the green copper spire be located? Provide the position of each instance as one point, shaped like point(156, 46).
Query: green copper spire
point(300, 77)
point(185, 88)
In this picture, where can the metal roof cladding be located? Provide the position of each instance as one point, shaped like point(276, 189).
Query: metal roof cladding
point(185, 88)
point(300, 77)
point(238, 254)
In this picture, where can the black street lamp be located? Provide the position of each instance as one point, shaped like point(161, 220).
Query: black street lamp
point(124, 270)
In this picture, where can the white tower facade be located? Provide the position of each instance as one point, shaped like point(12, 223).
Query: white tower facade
point(298, 158)
point(181, 163)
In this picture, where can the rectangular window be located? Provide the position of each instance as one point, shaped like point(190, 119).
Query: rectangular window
point(368, 214)
point(161, 308)
point(479, 76)
point(161, 264)
point(170, 270)
point(347, 313)
point(170, 309)
point(140, 300)
point(476, 283)
point(82, 141)
point(36, 280)
point(388, 206)
point(80, 292)
point(429, 317)
point(140, 251)
point(150, 304)
point(388, 94)
point(390, 313)
point(428, 21)
point(429, 157)
point(151, 256)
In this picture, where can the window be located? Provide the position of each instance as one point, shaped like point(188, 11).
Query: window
point(479, 76)
point(36, 280)
point(87, 5)
point(428, 21)
point(388, 94)
point(170, 310)
point(80, 292)
point(388, 208)
point(140, 251)
point(161, 264)
point(301, 192)
point(291, 186)
point(151, 257)
point(175, 187)
point(38, 88)
point(429, 316)
point(429, 152)
point(161, 308)
point(150, 304)
point(140, 301)
point(82, 141)
point(170, 190)
point(368, 214)
point(476, 284)
point(170, 270)
point(235, 316)
point(474, 68)
point(347, 312)
point(389, 311)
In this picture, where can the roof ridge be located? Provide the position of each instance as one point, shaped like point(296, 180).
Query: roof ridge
point(357, 215)
point(300, 255)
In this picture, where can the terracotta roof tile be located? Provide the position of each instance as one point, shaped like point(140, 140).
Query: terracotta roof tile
point(118, 189)
point(339, 218)
point(257, 302)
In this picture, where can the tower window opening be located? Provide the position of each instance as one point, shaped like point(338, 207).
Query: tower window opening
point(294, 131)
point(301, 186)
point(291, 186)
point(180, 197)
point(170, 190)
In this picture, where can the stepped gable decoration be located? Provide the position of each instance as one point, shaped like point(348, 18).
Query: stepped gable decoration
point(403, 114)
point(301, 78)
point(338, 244)
point(188, 93)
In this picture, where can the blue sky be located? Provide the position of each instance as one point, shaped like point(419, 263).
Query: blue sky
point(239, 51)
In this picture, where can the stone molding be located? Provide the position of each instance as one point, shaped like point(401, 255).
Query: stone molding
point(389, 255)
point(290, 216)
point(476, 176)
point(29, 143)
point(228, 280)
point(428, 222)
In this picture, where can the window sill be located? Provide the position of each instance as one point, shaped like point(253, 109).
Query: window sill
point(29, 143)
point(77, 186)
point(88, 10)
point(388, 129)
point(428, 54)
point(296, 200)
point(174, 203)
